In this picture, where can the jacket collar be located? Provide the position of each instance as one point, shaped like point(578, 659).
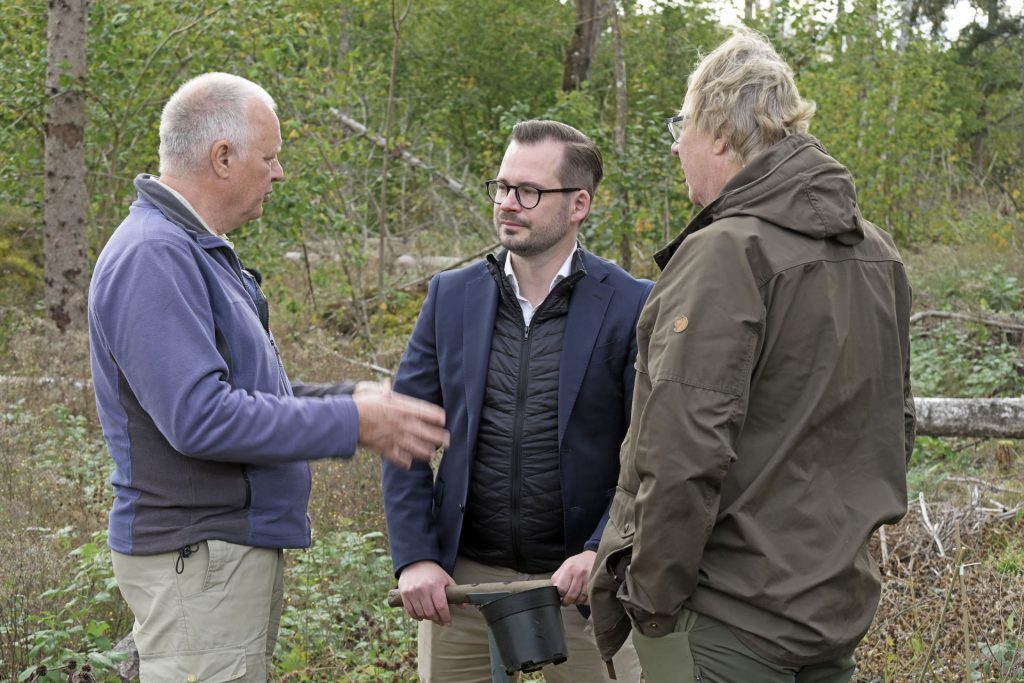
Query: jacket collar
point(156, 193)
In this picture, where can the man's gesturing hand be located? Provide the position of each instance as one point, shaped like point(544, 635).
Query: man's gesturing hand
point(399, 427)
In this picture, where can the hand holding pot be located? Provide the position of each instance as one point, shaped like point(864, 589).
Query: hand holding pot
point(422, 587)
point(572, 578)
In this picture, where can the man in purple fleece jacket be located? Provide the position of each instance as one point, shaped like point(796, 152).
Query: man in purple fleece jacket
point(210, 439)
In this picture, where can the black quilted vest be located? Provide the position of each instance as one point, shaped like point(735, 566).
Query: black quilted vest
point(514, 515)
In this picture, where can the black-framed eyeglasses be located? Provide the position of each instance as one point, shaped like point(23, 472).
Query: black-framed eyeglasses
point(675, 125)
point(527, 196)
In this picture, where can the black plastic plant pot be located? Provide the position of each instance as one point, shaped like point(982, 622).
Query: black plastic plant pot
point(528, 629)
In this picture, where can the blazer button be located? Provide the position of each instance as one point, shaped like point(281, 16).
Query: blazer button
point(653, 625)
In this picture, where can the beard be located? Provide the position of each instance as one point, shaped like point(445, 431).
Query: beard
point(535, 237)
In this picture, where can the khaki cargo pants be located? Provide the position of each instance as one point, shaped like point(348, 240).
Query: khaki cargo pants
point(214, 622)
point(704, 650)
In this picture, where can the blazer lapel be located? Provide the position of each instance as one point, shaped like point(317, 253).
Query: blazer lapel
point(480, 306)
point(587, 307)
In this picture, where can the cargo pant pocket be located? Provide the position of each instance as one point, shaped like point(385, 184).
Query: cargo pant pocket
point(669, 658)
point(218, 665)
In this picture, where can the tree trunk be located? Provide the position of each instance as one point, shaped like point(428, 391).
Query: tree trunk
point(66, 199)
point(991, 418)
point(382, 262)
point(840, 42)
point(621, 111)
point(589, 21)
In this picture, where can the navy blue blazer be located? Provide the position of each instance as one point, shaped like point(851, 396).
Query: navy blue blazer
point(445, 363)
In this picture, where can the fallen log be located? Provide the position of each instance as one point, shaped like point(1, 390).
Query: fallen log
point(986, 418)
point(980, 418)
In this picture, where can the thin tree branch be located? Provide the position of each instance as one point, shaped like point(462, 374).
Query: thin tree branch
point(1012, 325)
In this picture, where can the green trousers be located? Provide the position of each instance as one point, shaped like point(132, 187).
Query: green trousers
point(704, 650)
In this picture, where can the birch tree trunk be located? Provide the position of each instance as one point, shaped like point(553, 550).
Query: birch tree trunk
point(66, 200)
point(992, 418)
point(621, 111)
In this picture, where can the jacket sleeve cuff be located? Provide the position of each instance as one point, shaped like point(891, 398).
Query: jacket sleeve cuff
point(320, 390)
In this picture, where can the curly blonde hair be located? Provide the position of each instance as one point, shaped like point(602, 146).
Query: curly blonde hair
point(744, 91)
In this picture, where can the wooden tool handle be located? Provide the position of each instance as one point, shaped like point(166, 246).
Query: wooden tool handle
point(458, 594)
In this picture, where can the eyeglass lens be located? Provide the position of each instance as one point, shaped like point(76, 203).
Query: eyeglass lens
point(528, 197)
point(676, 125)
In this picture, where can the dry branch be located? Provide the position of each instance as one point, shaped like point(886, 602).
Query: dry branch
point(420, 281)
point(1003, 324)
point(406, 156)
point(929, 527)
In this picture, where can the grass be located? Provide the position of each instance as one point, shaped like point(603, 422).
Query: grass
point(957, 615)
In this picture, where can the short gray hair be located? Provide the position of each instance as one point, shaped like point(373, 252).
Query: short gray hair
point(746, 92)
point(207, 108)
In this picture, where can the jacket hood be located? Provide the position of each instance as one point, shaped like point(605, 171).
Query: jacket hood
point(795, 185)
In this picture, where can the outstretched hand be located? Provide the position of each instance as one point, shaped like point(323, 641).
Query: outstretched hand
point(399, 427)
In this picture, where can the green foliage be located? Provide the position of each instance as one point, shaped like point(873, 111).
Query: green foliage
point(21, 258)
point(1011, 561)
point(1002, 291)
point(933, 461)
point(999, 662)
point(873, 96)
point(87, 613)
point(930, 130)
point(957, 360)
point(336, 625)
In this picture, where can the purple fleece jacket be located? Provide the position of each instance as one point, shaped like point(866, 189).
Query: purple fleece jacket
point(207, 438)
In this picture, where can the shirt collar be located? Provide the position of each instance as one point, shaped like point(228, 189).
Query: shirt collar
point(562, 273)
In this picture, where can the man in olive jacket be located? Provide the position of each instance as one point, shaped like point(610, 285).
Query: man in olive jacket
point(772, 414)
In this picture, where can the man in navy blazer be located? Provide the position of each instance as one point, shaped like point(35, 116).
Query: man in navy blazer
point(530, 352)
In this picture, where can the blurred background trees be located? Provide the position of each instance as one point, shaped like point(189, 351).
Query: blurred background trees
point(931, 124)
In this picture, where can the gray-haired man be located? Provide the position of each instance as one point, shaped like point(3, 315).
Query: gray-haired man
point(209, 437)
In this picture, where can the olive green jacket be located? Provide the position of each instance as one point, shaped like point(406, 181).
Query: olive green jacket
point(772, 419)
